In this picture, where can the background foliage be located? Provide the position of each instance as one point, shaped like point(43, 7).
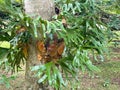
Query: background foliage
point(83, 32)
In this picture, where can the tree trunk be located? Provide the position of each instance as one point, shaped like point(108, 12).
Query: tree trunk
point(34, 8)
point(43, 8)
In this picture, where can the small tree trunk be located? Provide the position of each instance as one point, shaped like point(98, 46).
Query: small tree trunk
point(31, 81)
point(43, 8)
point(34, 8)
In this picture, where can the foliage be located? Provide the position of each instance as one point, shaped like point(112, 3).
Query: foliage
point(6, 80)
point(84, 32)
point(115, 22)
point(110, 6)
point(111, 13)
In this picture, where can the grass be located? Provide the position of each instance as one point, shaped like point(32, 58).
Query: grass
point(107, 79)
point(112, 68)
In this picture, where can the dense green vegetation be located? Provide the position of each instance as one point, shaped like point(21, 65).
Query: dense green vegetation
point(87, 28)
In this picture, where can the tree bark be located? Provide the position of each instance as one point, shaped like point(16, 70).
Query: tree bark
point(34, 8)
point(43, 8)
point(30, 80)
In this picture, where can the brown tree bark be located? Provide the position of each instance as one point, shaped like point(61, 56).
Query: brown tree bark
point(34, 8)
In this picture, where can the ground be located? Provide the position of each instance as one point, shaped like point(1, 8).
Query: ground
point(107, 79)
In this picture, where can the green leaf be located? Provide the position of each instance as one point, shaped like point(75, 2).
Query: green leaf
point(35, 29)
point(3, 52)
point(92, 67)
point(49, 72)
point(60, 77)
point(42, 79)
point(44, 30)
point(38, 67)
point(48, 27)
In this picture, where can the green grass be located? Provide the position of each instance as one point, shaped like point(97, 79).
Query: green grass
point(110, 69)
point(107, 79)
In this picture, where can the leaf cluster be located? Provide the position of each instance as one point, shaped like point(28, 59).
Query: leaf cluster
point(85, 33)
